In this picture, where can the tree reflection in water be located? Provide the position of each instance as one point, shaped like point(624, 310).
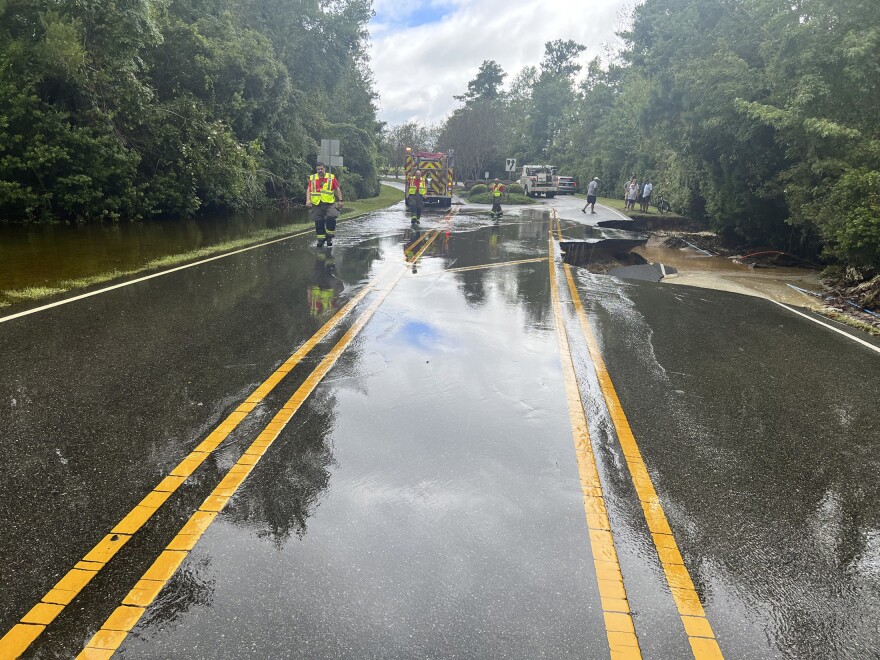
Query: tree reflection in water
point(188, 587)
point(285, 488)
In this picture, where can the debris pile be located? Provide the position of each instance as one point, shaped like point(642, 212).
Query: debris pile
point(859, 300)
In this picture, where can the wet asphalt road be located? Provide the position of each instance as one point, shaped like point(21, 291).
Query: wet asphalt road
point(425, 500)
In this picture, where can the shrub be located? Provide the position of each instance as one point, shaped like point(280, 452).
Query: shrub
point(353, 186)
point(851, 224)
point(478, 189)
point(515, 188)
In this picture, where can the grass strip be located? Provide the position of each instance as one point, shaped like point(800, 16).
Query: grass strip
point(388, 196)
point(846, 319)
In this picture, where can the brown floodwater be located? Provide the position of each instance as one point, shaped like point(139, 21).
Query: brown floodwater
point(46, 254)
point(714, 272)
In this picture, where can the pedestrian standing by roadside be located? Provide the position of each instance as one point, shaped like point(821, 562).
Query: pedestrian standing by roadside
point(416, 191)
point(632, 192)
point(324, 201)
point(646, 194)
point(592, 188)
point(497, 190)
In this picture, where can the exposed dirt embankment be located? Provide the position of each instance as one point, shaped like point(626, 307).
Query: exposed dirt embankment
point(654, 222)
point(601, 256)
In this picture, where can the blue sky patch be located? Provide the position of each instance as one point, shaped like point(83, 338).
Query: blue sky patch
point(415, 17)
point(420, 335)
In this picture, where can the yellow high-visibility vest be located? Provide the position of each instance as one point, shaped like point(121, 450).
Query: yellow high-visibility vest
point(423, 186)
point(325, 194)
point(497, 190)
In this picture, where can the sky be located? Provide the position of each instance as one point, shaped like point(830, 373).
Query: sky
point(424, 53)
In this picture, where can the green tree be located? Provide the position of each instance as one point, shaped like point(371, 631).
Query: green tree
point(487, 84)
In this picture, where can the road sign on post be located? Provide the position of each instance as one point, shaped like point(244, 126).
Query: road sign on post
point(329, 154)
point(511, 165)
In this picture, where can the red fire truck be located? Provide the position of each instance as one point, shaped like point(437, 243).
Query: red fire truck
point(438, 170)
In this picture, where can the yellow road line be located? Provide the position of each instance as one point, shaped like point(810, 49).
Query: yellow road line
point(116, 628)
point(619, 628)
point(409, 248)
point(495, 265)
point(696, 625)
point(31, 626)
point(433, 235)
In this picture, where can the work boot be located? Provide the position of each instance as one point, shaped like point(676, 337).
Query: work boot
point(320, 242)
point(329, 242)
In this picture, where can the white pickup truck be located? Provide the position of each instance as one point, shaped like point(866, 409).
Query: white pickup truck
point(539, 180)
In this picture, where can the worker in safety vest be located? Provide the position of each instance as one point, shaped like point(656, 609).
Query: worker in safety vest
point(416, 191)
point(497, 190)
point(324, 201)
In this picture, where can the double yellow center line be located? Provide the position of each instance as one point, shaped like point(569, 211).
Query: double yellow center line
point(615, 605)
point(117, 626)
point(20, 637)
point(699, 632)
point(32, 624)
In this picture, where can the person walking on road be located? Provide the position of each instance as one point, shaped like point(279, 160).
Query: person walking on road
point(324, 202)
point(646, 195)
point(416, 191)
point(497, 190)
point(592, 188)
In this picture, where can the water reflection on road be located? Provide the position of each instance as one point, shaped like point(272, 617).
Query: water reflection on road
point(425, 501)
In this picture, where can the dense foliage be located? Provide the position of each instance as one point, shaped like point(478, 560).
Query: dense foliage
point(758, 117)
point(133, 108)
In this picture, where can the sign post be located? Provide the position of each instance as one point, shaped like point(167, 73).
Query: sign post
point(510, 166)
point(329, 154)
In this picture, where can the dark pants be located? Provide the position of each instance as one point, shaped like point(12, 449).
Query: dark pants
point(496, 205)
point(416, 204)
point(324, 217)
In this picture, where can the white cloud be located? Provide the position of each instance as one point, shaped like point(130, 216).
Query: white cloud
point(419, 69)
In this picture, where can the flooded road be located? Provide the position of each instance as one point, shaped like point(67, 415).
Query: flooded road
point(435, 442)
point(46, 254)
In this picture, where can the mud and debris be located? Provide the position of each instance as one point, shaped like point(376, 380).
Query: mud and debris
point(859, 301)
point(852, 298)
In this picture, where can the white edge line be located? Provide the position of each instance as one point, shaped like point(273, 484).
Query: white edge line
point(616, 212)
point(3, 319)
point(830, 327)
